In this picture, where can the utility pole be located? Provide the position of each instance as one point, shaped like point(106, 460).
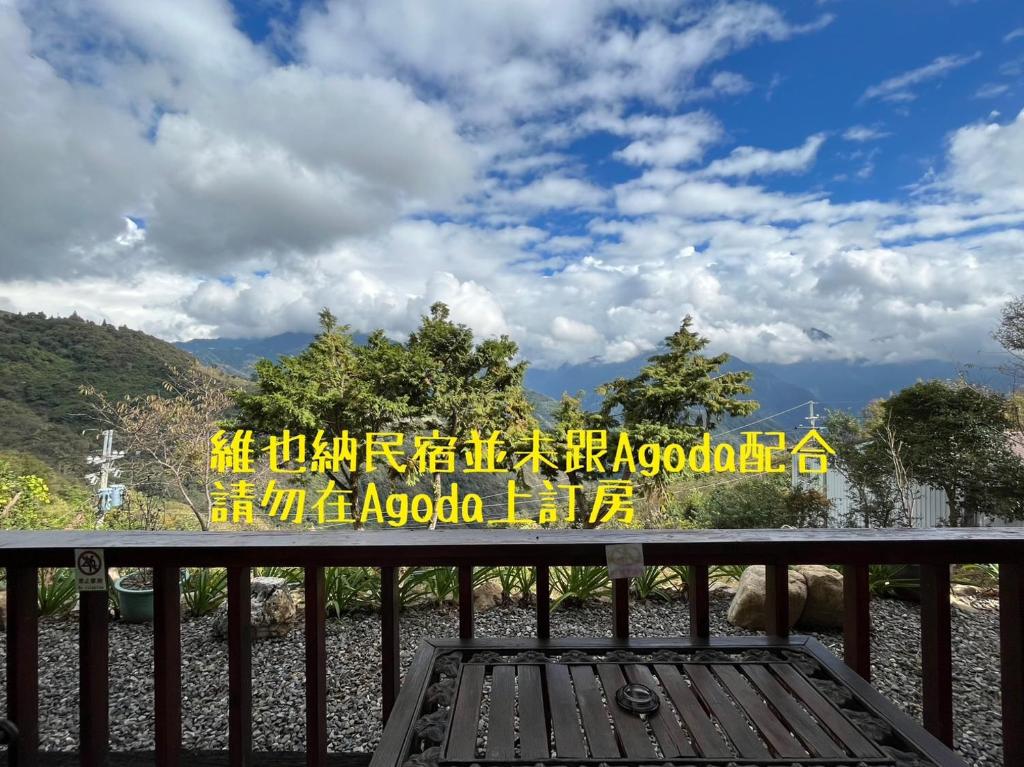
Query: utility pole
point(107, 496)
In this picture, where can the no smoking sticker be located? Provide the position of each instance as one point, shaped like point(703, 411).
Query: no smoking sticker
point(90, 573)
point(625, 560)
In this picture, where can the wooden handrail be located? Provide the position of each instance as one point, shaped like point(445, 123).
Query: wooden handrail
point(515, 547)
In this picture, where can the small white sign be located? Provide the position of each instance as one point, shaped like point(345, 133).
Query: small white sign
point(90, 571)
point(625, 560)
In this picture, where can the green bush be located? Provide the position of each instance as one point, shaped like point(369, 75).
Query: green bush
point(578, 583)
point(761, 502)
point(58, 591)
point(204, 590)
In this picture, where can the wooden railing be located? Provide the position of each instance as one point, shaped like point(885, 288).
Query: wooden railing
point(23, 553)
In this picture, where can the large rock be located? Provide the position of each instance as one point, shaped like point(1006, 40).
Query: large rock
point(747, 607)
point(486, 596)
point(824, 607)
point(272, 608)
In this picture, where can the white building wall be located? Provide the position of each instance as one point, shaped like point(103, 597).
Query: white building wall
point(930, 510)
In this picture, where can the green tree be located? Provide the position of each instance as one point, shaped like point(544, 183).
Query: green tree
point(462, 385)
point(336, 386)
point(676, 397)
point(957, 437)
point(23, 500)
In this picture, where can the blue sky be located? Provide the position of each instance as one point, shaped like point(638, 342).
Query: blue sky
point(577, 175)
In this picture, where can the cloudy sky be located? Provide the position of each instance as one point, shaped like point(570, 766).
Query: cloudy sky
point(578, 174)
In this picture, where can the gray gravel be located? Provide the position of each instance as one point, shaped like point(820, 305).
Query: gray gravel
point(353, 646)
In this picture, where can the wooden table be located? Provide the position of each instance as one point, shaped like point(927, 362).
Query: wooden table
point(728, 702)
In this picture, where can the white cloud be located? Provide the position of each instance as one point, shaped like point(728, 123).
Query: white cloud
point(748, 161)
point(900, 87)
point(863, 133)
point(986, 161)
point(400, 158)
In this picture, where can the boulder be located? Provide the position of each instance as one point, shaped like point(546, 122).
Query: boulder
point(824, 607)
point(486, 596)
point(747, 608)
point(272, 608)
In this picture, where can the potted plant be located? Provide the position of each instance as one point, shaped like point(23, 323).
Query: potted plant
point(135, 595)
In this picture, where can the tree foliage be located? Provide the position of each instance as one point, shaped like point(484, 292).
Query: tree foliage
point(957, 438)
point(166, 437)
point(677, 395)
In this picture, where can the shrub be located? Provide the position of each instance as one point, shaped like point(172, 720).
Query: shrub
point(576, 584)
point(655, 583)
point(204, 590)
point(58, 591)
point(762, 502)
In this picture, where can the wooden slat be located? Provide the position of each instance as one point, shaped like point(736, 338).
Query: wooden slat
point(849, 736)
point(857, 619)
point(776, 600)
point(167, 665)
point(663, 724)
point(725, 711)
point(533, 728)
point(709, 743)
point(543, 602)
point(798, 720)
point(699, 601)
point(464, 725)
point(316, 667)
point(394, 742)
point(633, 737)
point(23, 664)
point(593, 713)
point(466, 602)
point(239, 667)
point(502, 713)
point(1011, 656)
point(564, 722)
point(390, 648)
point(772, 730)
point(93, 659)
point(936, 653)
point(620, 607)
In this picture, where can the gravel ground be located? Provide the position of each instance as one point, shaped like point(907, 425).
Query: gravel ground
point(353, 646)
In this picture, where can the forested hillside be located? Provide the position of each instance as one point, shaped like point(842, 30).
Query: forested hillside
point(44, 361)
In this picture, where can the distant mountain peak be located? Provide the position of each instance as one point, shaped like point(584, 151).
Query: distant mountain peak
point(816, 334)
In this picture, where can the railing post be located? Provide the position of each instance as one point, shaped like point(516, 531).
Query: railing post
point(543, 602)
point(936, 653)
point(93, 659)
point(167, 665)
point(239, 667)
point(23, 664)
point(699, 602)
point(466, 602)
point(316, 668)
point(620, 607)
point(776, 600)
point(390, 646)
point(857, 619)
point(1011, 658)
